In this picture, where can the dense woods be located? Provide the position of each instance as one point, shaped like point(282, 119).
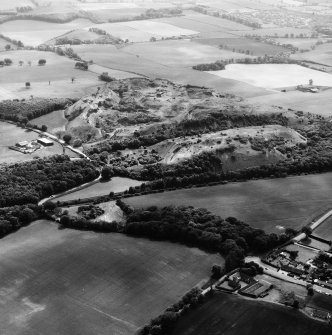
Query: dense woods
point(20, 110)
point(28, 182)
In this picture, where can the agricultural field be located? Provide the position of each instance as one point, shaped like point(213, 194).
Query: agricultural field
point(229, 314)
point(205, 24)
point(180, 53)
point(318, 103)
point(111, 57)
point(34, 33)
point(271, 205)
point(254, 47)
point(116, 184)
point(143, 31)
point(325, 230)
point(322, 54)
point(11, 134)
point(58, 71)
point(272, 76)
point(78, 282)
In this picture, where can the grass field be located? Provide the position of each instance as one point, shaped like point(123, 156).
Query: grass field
point(54, 121)
point(271, 76)
point(12, 4)
point(83, 283)
point(265, 204)
point(318, 103)
point(229, 315)
point(58, 70)
point(10, 135)
point(322, 54)
point(116, 184)
point(255, 47)
point(34, 33)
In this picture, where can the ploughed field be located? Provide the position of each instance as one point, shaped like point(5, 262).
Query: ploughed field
point(271, 204)
point(67, 282)
point(229, 315)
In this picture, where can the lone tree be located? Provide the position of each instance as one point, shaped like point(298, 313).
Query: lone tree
point(21, 62)
point(307, 230)
point(67, 138)
point(106, 173)
point(8, 61)
point(8, 47)
point(44, 127)
point(27, 84)
point(42, 62)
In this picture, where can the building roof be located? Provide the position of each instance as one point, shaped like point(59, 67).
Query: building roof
point(45, 140)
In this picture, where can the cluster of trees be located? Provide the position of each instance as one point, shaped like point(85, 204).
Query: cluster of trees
point(15, 217)
point(243, 21)
point(200, 228)
point(6, 62)
point(221, 64)
point(164, 323)
point(90, 212)
point(15, 42)
point(28, 182)
point(82, 66)
point(24, 110)
point(106, 77)
point(69, 52)
point(152, 13)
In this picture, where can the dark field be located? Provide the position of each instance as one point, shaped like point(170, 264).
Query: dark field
point(231, 315)
point(67, 282)
point(267, 204)
point(325, 229)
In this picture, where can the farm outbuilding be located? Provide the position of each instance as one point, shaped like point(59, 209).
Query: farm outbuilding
point(45, 142)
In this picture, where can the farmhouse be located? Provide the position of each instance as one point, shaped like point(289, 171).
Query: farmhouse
point(22, 144)
point(45, 141)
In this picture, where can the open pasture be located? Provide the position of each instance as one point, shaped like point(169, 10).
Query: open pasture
point(180, 53)
point(272, 76)
point(75, 282)
point(58, 71)
point(10, 135)
point(143, 30)
point(270, 205)
point(34, 33)
point(254, 47)
point(229, 314)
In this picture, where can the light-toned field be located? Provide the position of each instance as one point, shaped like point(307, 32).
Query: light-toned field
point(317, 103)
point(180, 53)
point(141, 31)
point(116, 184)
point(58, 70)
point(54, 121)
point(266, 204)
point(34, 33)
point(10, 135)
point(322, 54)
point(271, 76)
point(73, 282)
